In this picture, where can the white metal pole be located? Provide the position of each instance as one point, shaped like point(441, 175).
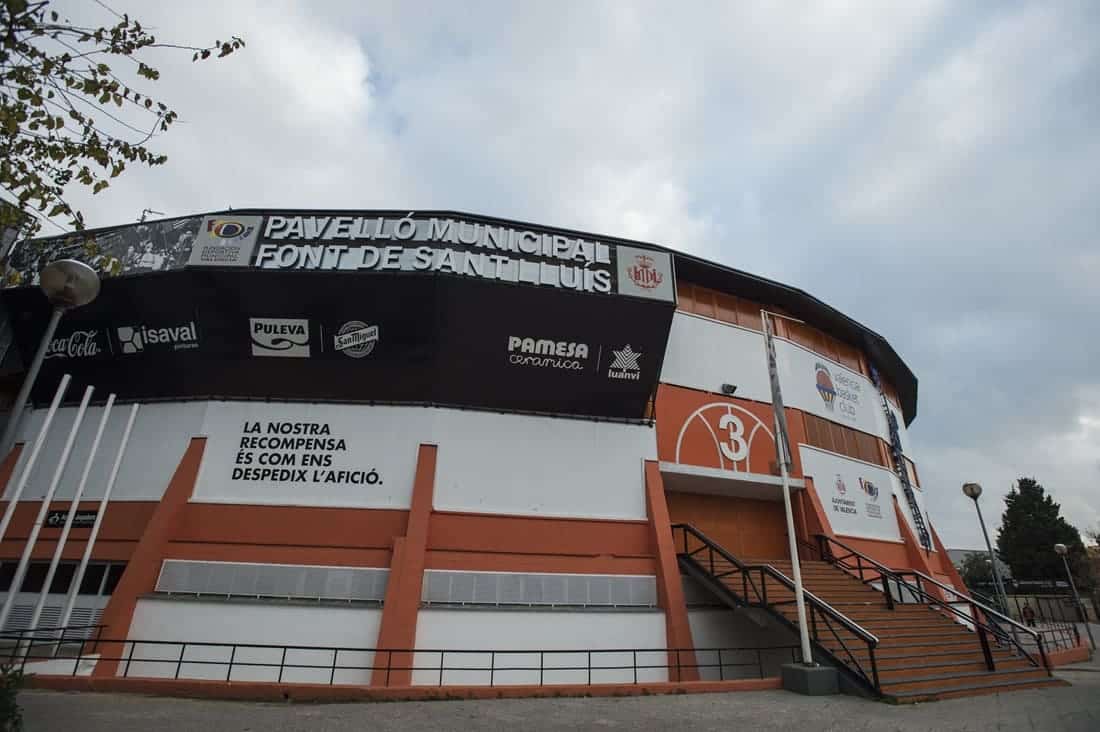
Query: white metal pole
point(60, 548)
point(28, 381)
point(783, 453)
point(28, 466)
point(25, 559)
point(79, 577)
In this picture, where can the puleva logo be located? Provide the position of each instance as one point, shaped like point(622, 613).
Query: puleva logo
point(283, 337)
point(825, 385)
point(227, 229)
point(840, 487)
point(869, 488)
point(643, 274)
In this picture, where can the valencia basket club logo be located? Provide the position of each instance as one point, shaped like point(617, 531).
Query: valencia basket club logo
point(643, 273)
point(825, 385)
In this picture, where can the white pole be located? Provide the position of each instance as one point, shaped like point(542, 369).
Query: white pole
point(56, 560)
point(28, 380)
point(79, 577)
point(25, 559)
point(29, 465)
point(783, 453)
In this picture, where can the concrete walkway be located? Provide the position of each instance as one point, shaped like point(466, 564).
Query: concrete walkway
point(1065, 708)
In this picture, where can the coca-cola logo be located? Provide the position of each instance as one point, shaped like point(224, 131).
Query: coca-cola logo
point(78, 344)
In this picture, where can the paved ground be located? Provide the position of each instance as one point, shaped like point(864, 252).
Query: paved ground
point(1066, 708)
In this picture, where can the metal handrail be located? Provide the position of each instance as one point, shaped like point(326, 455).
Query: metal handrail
point(991, 625)
point(783, 579)
point(883, 569)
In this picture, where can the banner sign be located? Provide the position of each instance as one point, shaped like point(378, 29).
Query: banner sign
point(447, 341)
point(363, 242)
point(857, 496)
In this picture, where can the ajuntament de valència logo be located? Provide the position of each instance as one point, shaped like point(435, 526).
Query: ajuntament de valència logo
point(139, 338)
point(356, 339)
point(547, 354)
point(624, 364)
point(282, 337)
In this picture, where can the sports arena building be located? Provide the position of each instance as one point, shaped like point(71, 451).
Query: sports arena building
point(392, 449)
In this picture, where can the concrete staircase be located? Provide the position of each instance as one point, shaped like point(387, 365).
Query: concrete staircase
point(922, 653)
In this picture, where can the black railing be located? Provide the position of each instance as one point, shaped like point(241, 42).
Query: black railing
point(332, 664)
point(987, 622)
point(834, 634)
point(1057, 633)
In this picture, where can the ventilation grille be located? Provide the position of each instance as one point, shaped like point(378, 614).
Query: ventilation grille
point(230, 579)
point(493, 588)
point(20, 618)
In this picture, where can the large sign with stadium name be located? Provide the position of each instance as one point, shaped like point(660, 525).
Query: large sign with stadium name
point(485, 249)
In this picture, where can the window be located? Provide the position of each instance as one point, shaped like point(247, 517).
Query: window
point(99, 577)
point(843, 440)
point(93, 579)
point(114, 574)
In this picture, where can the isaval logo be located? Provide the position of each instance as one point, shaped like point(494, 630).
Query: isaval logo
point(643, 274)
point(280, 337)
point(546, 353)
point(356, 339)
point(625, 364)
point(825, 385)
point(227, 229)
point(139, 338)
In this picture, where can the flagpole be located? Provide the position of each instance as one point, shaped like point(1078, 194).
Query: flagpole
point(783, 455)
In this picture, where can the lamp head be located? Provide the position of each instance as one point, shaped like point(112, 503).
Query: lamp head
point(1061, 550)
point(69, 283)
point(972, 490)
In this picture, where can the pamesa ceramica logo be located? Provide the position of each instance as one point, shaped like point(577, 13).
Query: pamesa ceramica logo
point(141, 338)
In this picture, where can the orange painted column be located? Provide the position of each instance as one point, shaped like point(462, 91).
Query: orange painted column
point(397, 631)
point(140, 576)
point(670, 589)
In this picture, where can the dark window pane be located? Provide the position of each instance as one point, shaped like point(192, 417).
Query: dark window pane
point(114, 574)
point(93, 578)
point(36, 576)
point(63, 577)
point(7, 572)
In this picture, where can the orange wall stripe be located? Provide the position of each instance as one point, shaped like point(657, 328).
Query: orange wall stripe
point(670, 589)
point(141, 573)
point(399, 612)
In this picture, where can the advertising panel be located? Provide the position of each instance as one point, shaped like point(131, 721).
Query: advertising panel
point(309, 454)
point(827, 389)
point(856, 496)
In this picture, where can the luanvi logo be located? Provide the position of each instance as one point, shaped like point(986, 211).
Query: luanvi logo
point(356, 339)
point(285, 337)
point(141, 338)
point(625, 364)
point(547, 354)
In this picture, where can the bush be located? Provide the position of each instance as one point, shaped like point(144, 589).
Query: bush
point(11, 681)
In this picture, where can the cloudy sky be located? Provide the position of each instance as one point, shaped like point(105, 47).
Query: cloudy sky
point(930, 169)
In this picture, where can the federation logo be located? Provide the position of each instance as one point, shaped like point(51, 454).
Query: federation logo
point(356, 339)
point(840, 487)
point(625, 364)
point(825, 386)
point(643, 274)
point(228, 229)
point(869, 488)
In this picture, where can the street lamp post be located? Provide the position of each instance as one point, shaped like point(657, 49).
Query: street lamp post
point(973, 491)
point(67, 284)
point(1062, 551)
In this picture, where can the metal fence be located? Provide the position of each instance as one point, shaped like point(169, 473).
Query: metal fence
point(333, 665)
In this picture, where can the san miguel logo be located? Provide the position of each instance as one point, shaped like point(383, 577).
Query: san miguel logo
point(643, 273)
point(356, 339)
point(825, 386)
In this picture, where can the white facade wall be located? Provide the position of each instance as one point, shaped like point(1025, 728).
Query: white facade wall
point(738, 636)
point(526, 630)
point(160, 435)
point(258, 623)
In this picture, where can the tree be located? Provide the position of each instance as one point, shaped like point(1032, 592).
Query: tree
point(1030, 527)
point(66, 115)
point(976, 571)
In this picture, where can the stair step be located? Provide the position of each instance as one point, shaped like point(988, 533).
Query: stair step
point(931, 683)
point(892, 674)
point(960, 690)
